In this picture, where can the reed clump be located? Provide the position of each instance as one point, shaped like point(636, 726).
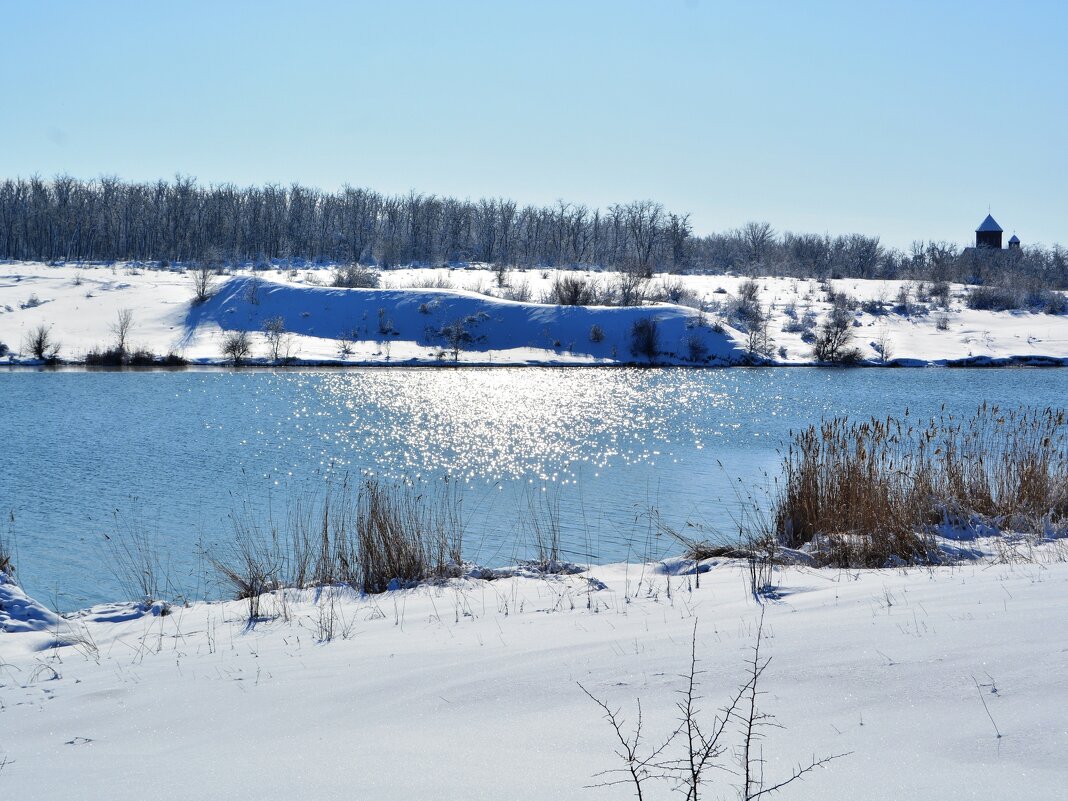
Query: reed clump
point(373, 537)
point(867, 494)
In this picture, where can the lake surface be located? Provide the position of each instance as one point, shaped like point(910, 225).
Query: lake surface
point(88, 456)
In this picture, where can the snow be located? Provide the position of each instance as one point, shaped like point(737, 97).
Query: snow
point(470, 689)
point(81, 304)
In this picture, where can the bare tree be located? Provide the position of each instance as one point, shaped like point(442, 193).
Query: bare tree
point(121, 329)
point(237, 345)
point(203, 282)
point(279, 343)
point(643, 220)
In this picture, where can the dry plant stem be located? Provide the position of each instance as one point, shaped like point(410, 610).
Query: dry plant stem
point(702, 748)
point(987, 708)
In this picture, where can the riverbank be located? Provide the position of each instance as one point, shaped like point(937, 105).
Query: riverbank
point(471, 316)
point(937, 683)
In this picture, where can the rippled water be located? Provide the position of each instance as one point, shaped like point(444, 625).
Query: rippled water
point(89, 455)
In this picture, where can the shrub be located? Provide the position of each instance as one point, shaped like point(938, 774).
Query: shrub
point(173, 359)
point(518, 291)
point(629, 287)
point(993, 298)
point(696, 349)
point(112, 357)
point(671, 290)
point(645, 338)
point(746, 307)
point(237, 345)
point(3, 349)
point(573, 290)
point(32, 302)
point(832, 343)
point(356, 276)
point(596, 333)
point(40, 344)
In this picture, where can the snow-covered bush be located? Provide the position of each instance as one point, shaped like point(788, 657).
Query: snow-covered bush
point(356, 276)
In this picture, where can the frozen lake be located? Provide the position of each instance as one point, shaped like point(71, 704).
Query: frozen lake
point(88, 455)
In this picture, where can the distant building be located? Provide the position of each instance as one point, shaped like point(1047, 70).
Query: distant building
point(988, 234)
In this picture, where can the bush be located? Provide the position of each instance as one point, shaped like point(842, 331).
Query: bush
point(3, 349)
point(645, 338)
point(596, 333)
point(832, 343)
point(237, 345)
point(356, 276)
point(696, 349)
point(573, 290)
point(112, 357)
point(173, 359)
point(993, 298)
point(40, 344)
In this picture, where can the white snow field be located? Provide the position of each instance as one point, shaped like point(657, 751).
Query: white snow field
point(470, 689)
point(401, 322)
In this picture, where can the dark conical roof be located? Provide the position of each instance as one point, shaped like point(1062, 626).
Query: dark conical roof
point(1014, 238)
point(989, 224)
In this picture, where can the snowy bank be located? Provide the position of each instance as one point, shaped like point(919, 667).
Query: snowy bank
point(470, 689)
point(435, 316)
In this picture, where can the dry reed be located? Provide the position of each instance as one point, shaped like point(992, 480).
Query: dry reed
point(375, 538)
point(871, 493)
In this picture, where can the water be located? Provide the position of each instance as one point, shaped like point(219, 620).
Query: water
point(86, 456)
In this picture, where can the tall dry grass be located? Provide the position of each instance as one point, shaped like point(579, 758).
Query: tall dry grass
point(372, 537)
point(872, 492)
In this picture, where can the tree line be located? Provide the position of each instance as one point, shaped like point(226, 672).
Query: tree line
point(181, 221)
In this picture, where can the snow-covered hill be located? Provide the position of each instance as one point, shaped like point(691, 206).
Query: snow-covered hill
point(430, 316)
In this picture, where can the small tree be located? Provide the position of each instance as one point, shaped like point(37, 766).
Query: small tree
point(237, 345)
point(279, 344)
point(203, 282)
point(456, 336)
point(833, 342)
point(759, 343)
point(121, 329)
point(884, 346)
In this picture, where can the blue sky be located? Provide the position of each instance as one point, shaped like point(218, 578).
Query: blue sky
point(901, 119)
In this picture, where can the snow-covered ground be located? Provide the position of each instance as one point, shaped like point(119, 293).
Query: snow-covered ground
point(402, 322)
point(471, 689)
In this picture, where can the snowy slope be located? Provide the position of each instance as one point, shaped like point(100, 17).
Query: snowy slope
point(470, 690)
point(81, 304)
